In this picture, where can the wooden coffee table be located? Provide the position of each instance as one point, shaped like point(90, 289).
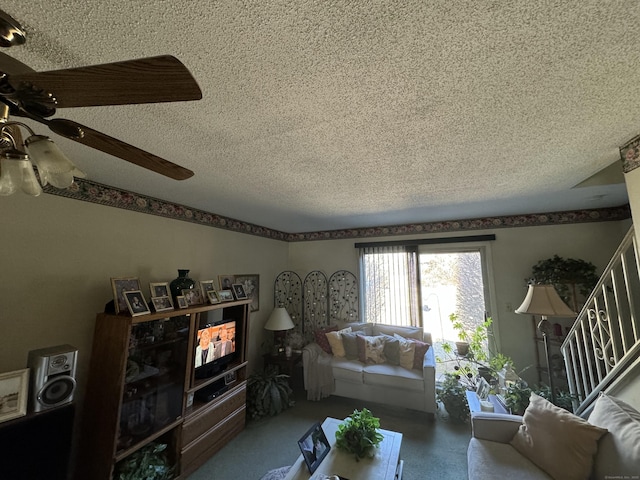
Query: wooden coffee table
point(386, 465)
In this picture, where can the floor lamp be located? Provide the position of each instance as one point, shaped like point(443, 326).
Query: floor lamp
point(544, 300)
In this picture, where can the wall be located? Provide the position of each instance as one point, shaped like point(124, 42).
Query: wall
point(513, 253)
point(58, 256)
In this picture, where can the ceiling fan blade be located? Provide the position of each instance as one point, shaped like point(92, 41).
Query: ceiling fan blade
point(146, 80)
point(112, 146)
point(12, 66)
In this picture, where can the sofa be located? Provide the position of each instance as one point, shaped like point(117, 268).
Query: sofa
point(550, 443)
point(388, 364)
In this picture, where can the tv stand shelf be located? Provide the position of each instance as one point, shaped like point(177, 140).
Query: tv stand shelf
point(142, 389)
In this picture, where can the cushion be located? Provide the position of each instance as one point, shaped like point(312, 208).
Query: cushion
point(420, 351)
point(370, 348)
point(392, 350)
point(619, 450)
point(407, 351)
point(365, 328)
point(335, 341)
point(557, 441)
point(321, 337)
point(405, 332)
point(350, 345)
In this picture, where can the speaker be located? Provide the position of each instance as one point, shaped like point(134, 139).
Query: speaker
point(52, 376)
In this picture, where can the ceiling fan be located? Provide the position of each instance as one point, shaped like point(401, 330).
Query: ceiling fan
point(37, 95)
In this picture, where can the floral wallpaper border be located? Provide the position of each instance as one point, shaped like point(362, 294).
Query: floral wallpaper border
point(88, 191)
point(630, 155)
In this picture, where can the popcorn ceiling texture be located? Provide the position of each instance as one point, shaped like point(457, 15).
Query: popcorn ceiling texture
point(321, 115)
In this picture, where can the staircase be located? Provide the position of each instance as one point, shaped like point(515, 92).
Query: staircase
point(605, 338)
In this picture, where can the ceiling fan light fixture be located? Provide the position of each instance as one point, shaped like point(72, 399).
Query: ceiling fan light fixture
point(17, 172)
point(54, 166)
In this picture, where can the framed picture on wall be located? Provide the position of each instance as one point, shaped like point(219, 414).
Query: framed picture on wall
point(121, 285)
point(14, 390)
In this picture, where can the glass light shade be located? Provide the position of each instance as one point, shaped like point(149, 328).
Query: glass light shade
point(279, 320)
point(53, 166)
point(17, 171)
point(544, 300)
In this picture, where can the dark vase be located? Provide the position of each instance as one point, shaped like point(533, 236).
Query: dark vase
point(183, 282)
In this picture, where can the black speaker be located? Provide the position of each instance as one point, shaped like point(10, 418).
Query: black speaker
point(52, 377)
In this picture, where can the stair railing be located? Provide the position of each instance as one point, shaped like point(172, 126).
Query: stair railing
point(605, 338)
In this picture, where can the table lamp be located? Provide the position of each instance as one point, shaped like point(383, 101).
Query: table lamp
point(544, 300)
point(279, 322)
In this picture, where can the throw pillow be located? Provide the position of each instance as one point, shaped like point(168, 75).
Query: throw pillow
point(559, 442)
point(420, 351)
point(350, 345)
point(392, 350)
point(374, 349)
point(619, 450)
point(407, 351)
point(335, 340)
point(321, 337)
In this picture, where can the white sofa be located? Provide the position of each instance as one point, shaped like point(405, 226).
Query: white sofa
point(493, 452)
point(387, 383)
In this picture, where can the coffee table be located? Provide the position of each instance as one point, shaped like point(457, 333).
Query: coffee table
point(385, 465)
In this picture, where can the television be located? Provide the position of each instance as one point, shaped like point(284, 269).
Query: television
point(215, 348)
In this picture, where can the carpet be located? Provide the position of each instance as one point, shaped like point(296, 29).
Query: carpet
point(277, 473)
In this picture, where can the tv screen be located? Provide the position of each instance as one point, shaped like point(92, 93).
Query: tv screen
point(215, 347)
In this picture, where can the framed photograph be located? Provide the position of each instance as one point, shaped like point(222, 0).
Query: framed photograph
point(206, 286)
point(229, 377)
point(482, 389)
point(251, 284)
point(160, 289)
point(314, 447)
point(136, 303)
point(238, 291)
point(225, 296)
point(193, 296)
point(14, 390)
point(226, 281)
point(182, 302)
point(162, 304)
point(213, 297)
point(121, 285)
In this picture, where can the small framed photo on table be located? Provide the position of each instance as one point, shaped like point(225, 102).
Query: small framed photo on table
point(14, 390)
point(213, 297)
point(206, 286)
point(482, 389)
point(225, 295)
point(182, 302)
point(121, 285)
point(238, 291)
point(136, 303)
point(314, 447)
point(162, 304)
point(160, 289)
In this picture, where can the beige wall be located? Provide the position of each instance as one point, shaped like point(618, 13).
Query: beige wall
point(513, 253)
point(58, 256)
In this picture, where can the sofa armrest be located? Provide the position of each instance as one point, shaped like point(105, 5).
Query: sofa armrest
point(429, 379)
point(497, 427)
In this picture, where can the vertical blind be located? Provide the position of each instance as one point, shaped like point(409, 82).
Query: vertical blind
point(389, 278)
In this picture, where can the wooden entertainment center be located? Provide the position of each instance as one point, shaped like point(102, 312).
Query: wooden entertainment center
point(143, 390)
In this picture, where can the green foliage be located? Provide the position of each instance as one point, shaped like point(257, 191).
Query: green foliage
point(517, 397)
point(268, 393)
point(569, 277)
point(148, 463)
point(358, 434)
point(453, 396)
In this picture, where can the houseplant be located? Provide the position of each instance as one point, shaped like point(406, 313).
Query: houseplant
point(359, 434)
point(452, 395)
point(268, 393)
point(148, 463)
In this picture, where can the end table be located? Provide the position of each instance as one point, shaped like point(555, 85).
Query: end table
point(282, 362)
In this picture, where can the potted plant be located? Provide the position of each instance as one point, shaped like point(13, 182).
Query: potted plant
point(359, 434)
point(148, 463)
point(268, 393)
point(453, 396)
point(517, 397)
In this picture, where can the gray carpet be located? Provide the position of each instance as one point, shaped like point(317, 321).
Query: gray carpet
point(430, 449)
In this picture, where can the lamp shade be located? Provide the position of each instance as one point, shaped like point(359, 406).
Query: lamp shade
point(544, 300)
point(279, 320)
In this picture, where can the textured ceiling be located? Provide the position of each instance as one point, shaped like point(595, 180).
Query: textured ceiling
point(322, 115)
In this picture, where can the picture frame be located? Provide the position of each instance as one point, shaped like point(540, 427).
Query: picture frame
point(206, 286)
point(213, 297)
point(162, 304)
point(119, 285)
point(482, 389)
point(225, 282)
point(238, 291)
point(160, 289)
point(251, 284)
point(229, 377)
point(193, 296)
point(182, 302)
point(314, 447)
point(14, 392)
point(136, 303)
point(226, 295)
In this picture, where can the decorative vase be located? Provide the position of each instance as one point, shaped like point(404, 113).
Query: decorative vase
point(182, 282)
